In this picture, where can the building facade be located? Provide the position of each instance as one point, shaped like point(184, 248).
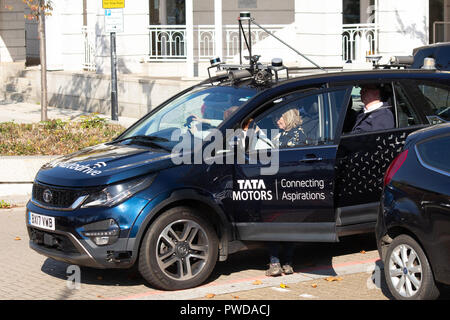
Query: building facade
point(178, 37)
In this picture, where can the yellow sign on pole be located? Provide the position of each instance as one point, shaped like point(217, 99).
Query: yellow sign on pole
point(113, 4)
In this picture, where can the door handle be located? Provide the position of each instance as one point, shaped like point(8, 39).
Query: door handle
point(311, 158)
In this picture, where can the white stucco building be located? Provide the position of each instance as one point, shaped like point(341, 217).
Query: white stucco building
point(171, 37)
point(176, 38)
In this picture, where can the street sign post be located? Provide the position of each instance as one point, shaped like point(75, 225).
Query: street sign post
point(114, 20)
point(114, 24)
point(113, 4)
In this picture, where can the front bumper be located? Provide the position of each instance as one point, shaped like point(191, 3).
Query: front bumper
point(67, 244)
point(68, 248)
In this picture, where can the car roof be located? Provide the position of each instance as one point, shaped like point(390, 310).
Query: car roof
point(434, 45)
point(377, 74)
point(342, 76)
point(432, 131)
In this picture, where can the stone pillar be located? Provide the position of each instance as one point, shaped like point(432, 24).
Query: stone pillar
point(218, 32)
point(447, 18)
point(319, 32)
point(12, 31)
point(163, 12)
point(54, 37)
point(364, 15)
point(189, 39)
point(71, 15)
point(132, 45)
point(403, 26)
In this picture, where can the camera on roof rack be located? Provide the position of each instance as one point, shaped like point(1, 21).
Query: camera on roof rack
point(245, 15)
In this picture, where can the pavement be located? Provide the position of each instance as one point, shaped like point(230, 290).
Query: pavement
point(346, 270)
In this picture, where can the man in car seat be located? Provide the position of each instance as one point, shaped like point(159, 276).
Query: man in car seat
point(376, 115)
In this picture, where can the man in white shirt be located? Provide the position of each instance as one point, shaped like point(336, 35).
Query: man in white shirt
point(376, 115)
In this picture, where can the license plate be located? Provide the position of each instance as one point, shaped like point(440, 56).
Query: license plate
point(41, 221)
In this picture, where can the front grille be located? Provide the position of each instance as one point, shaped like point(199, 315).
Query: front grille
point(60, 198)
point(52, 241)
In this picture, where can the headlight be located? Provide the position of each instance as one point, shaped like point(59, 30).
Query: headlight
point(116, 193)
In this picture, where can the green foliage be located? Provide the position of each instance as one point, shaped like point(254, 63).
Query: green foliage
point(93, 121)
point(55, 137)
point(4, 205)
point(54, 124)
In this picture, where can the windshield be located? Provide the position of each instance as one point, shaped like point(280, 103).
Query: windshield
point(196, 113)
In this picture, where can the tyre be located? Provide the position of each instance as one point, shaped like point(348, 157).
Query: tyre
point(179, 250)
point(407, 271)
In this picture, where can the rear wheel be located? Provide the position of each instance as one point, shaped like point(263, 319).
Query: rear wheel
point(179, 250)
point(408, 272)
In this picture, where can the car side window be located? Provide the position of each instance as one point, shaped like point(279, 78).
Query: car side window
point(438, 99)
point(405, 114)
point(356, 107)
point(434, 154)
point(293, 121)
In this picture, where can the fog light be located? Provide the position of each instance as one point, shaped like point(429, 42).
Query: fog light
point(102, 232)
point(101, 241)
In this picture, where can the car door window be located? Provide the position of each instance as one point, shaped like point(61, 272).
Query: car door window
point(356, 107)
point(438, 99)
point(296, 121)
point(405, 114)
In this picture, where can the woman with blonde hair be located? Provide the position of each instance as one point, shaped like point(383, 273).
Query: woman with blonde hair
point(292, 133)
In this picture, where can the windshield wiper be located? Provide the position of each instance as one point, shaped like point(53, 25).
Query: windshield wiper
point(143, 137)
point(147, 139)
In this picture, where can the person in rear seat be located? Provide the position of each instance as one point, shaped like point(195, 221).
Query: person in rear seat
point(376, 115)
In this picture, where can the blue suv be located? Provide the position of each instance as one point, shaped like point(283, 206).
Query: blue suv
point(187, 185)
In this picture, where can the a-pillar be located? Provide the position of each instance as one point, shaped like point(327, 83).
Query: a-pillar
point(319, 32)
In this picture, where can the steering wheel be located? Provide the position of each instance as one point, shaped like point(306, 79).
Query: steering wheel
point(189, 120)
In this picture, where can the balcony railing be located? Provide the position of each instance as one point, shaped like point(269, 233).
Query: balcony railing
point(358, 41)
point(167, 43)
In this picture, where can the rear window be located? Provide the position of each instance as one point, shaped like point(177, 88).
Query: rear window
point(436, 153)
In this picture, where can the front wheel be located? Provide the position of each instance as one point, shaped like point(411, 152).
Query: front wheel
point(408, 272)
point(178, 251)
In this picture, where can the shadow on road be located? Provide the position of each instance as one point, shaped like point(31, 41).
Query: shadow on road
point(308, 256)
point(311, 258)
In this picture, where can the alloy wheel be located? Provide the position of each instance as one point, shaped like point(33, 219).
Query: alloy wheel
point(405, 270)
point(182, 250)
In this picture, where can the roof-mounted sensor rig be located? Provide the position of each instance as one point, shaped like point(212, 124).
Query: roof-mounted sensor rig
point(261, 74)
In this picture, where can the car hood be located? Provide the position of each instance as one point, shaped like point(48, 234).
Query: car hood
point(103, 164)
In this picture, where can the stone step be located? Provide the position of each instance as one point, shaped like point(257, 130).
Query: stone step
point(10, 87)
point(14, 96)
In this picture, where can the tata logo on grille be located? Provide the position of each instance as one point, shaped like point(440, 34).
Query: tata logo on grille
point(47, 196)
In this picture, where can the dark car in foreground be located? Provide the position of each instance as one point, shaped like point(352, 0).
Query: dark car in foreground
point(413, 227)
